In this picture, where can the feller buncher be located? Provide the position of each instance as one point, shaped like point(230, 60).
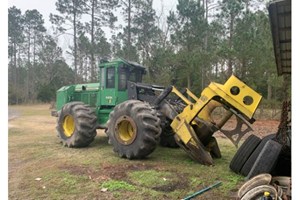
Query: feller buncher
point(137, 116)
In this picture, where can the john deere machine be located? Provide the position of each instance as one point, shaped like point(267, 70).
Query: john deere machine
point(137, 116)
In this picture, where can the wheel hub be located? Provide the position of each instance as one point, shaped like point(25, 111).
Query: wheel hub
point(125, 130)
point(68, 125)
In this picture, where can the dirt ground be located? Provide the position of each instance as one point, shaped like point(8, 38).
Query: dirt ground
point(35, 152)
point(261, 128)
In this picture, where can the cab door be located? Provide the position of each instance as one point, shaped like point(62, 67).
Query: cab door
point(122, 92)
point(108, 87)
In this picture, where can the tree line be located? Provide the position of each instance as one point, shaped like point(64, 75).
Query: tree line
point(198, 42)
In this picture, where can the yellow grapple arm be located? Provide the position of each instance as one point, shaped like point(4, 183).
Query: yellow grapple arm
point(194, 127)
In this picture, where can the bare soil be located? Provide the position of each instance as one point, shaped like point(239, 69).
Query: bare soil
point(261, 128)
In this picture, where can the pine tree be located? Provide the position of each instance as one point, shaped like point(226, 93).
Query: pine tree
point(70, 12)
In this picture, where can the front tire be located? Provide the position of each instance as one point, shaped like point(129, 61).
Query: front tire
point(133, 129)
point(76, 125)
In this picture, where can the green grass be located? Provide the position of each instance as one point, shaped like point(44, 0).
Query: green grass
point(68, 173)
point(113, 185)
point(151, 178)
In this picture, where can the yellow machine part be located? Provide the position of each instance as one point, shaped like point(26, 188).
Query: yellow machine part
point(235, 95)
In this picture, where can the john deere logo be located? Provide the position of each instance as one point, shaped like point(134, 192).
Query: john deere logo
point(109, 98)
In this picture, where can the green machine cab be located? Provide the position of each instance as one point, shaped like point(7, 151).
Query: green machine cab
point(109, 92)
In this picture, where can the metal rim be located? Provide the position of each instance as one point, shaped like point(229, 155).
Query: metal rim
point(261, 179)
point(68, 125)
point(125, 130)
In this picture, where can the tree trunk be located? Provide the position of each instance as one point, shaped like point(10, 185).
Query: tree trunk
point(129, 30)
point(34, 46)
point(230, 70)
point(286, 84)
point(94, 2)
point(203, 71)
point(269, 97)
point(15, 65)
point(17, 76)
point(216, 70)
point(28, 69)
point(75, 41)
point(189, 82)
point(243, 69)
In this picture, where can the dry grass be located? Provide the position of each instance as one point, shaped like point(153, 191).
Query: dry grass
point(40, 168)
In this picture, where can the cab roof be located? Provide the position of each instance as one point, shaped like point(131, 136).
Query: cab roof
point(122, 60)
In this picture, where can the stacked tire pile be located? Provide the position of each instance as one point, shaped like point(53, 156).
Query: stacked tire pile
point(256, 156)
point(264, 186)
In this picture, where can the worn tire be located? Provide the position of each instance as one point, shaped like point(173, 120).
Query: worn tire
point(251, 160)
point(261, 179)
point(167, 138)
point(133, 129)
point(266, 160)
point(258, 192)
point(243, 153)
point(76, 125)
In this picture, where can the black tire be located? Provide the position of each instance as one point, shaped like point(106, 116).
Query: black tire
point(167, 138)
point(251, 160)
point(243, 153)
point(133, 129)
point(76, 125)
point(266, 160)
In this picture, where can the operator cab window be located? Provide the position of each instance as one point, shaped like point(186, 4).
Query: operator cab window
point(102, 78)
point(110, 77)
point(135, 75)
point(122, 79)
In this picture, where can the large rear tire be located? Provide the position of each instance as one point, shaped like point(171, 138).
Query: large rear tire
point(133, 129)
point(76, 125)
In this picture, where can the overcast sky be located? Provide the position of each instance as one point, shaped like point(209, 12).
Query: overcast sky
point(45, 7)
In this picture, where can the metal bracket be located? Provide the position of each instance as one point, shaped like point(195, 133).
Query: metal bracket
point(237, 133)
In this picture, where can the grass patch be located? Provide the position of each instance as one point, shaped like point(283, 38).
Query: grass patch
point(194, 181)
point(114, 185)
point(230, 182)
point(66, 182)
point(15, 132)
point(151, 178)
